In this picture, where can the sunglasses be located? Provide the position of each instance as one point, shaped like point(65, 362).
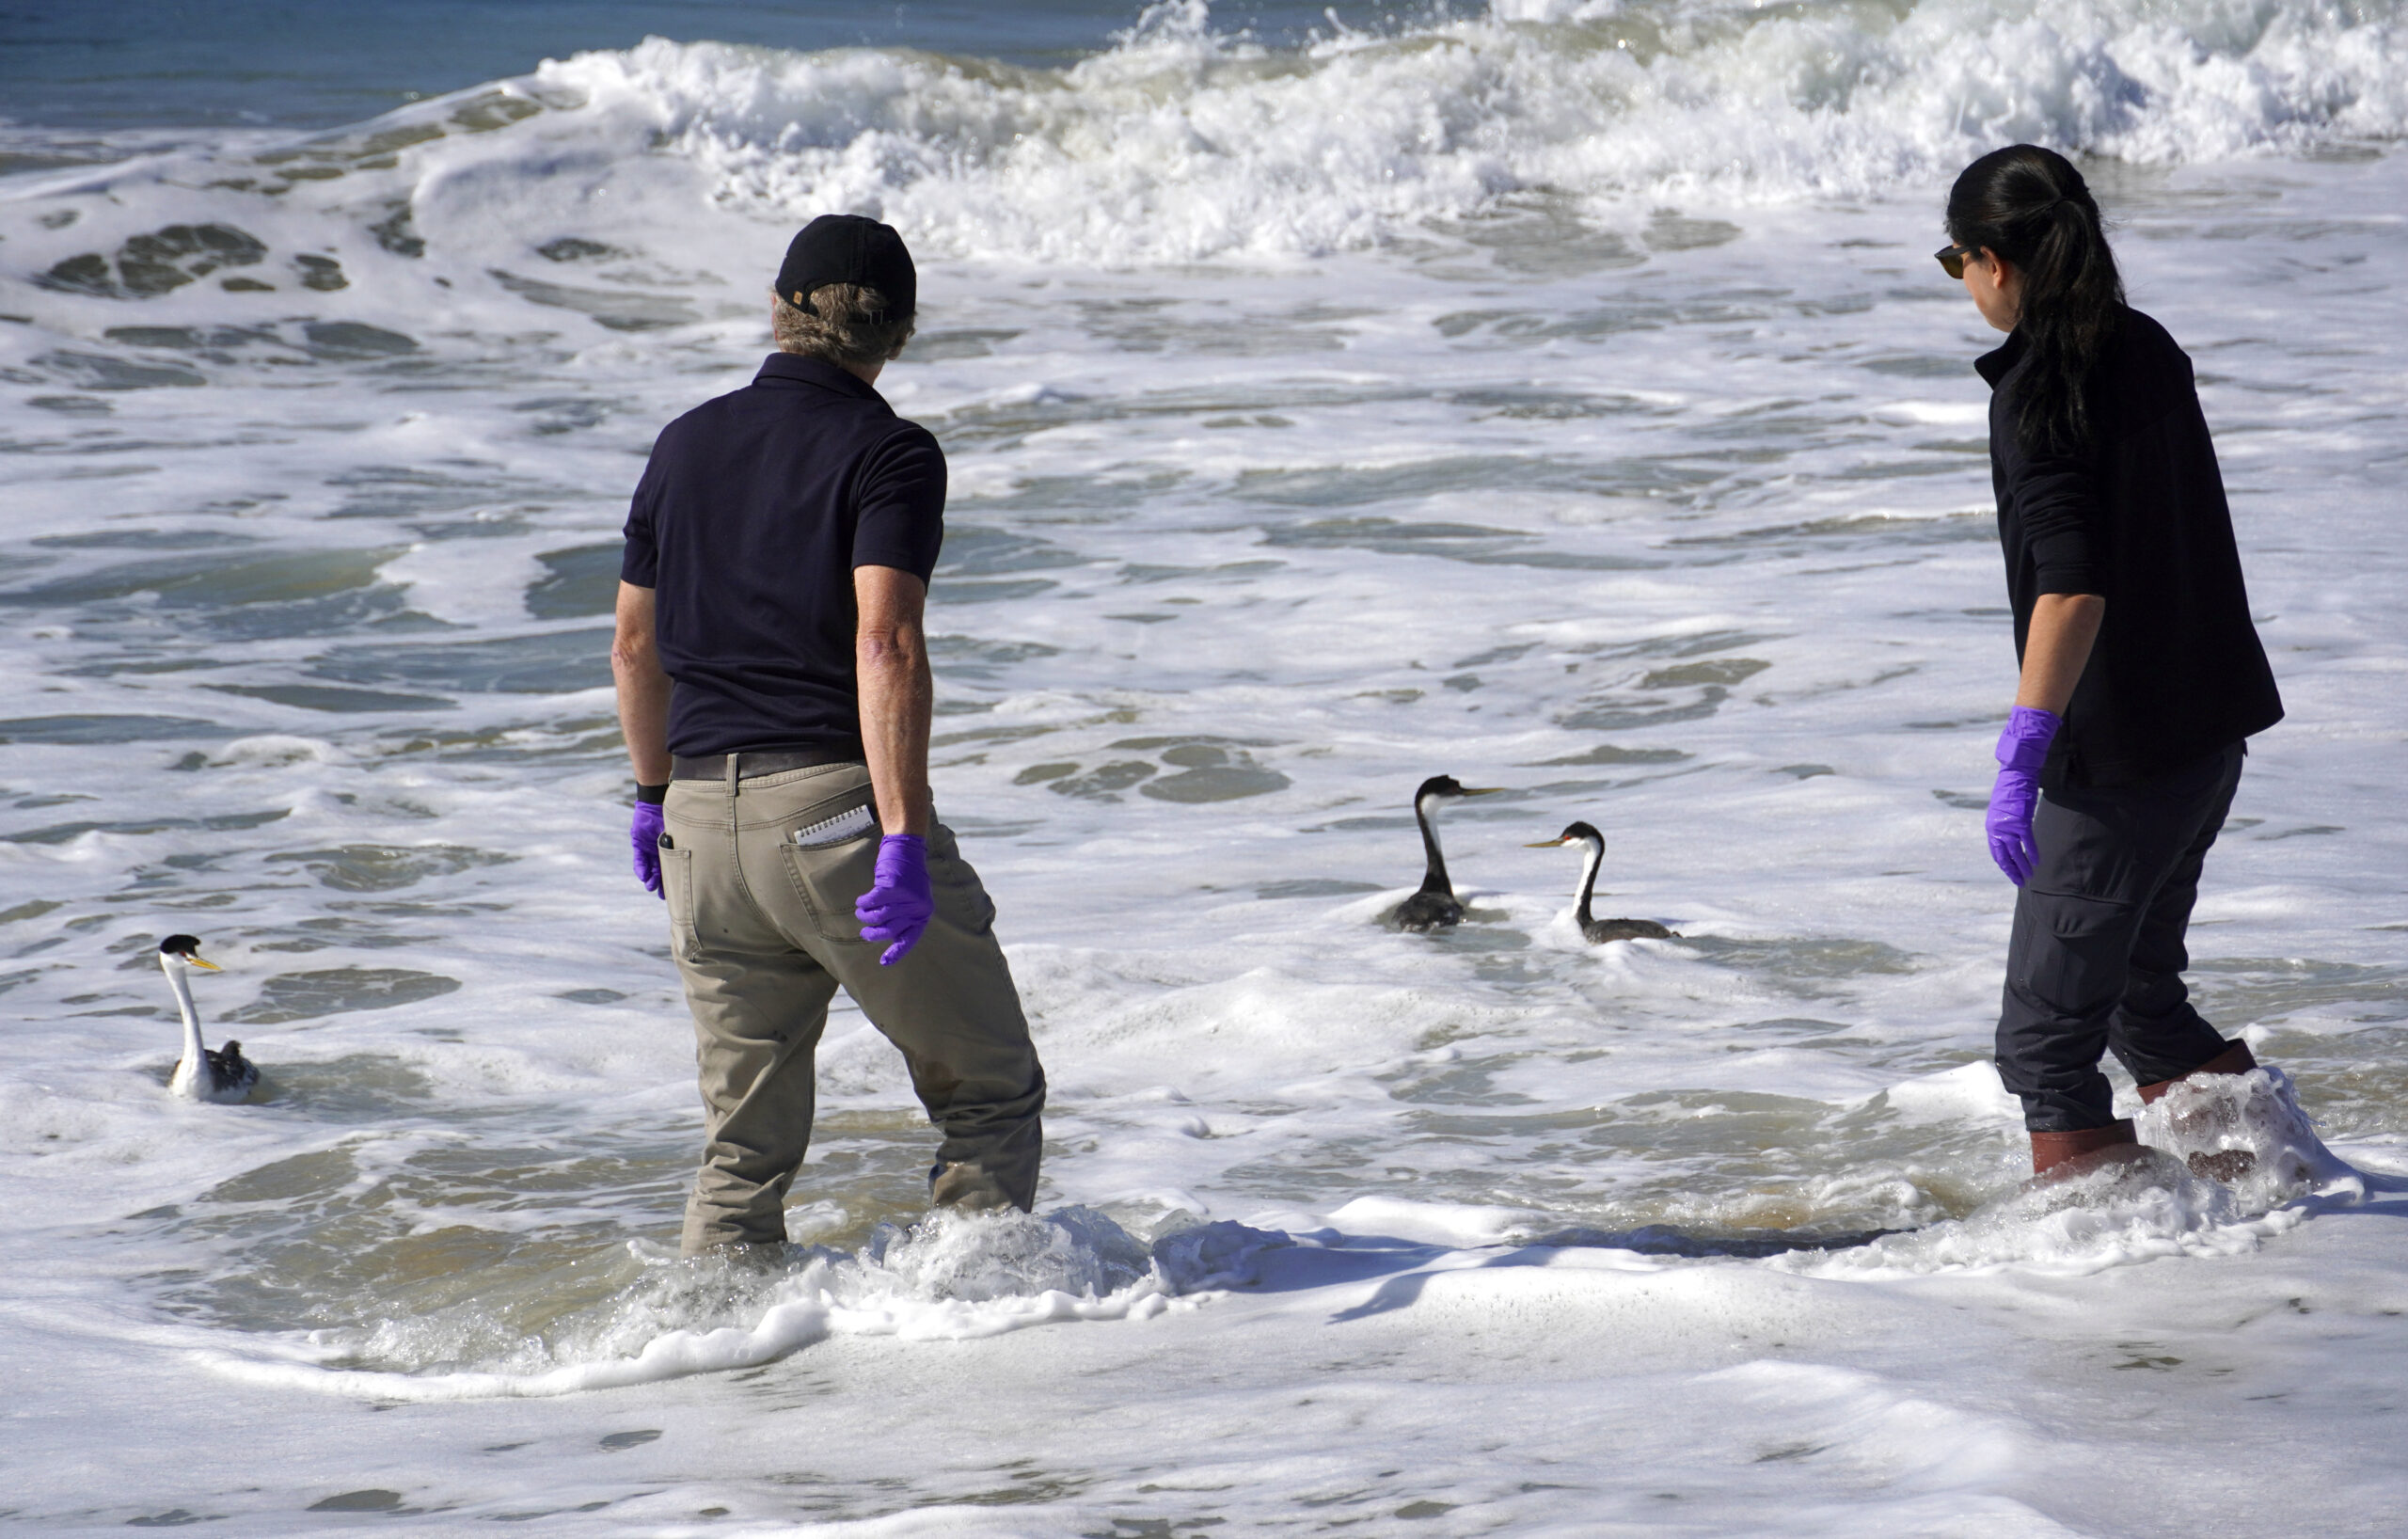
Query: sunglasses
point(1952, 259)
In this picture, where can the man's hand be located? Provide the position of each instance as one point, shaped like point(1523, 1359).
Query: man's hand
point(643, 836)
point(899, 902)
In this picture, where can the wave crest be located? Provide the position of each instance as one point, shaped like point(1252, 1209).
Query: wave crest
point(1183, 143)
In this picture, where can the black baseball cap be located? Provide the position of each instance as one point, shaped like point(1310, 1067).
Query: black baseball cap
point(849, 249)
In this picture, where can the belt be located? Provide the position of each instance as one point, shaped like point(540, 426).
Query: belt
point(748, 765)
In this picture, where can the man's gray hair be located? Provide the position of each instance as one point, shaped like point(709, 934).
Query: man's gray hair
point(842, 332)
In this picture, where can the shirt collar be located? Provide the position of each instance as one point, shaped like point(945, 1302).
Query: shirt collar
point(1994, 366)
point(789, 368)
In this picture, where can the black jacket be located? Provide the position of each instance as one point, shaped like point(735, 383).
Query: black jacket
point(2140, 519)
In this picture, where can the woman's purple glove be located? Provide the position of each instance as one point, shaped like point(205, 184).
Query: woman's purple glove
point(899, 900)
point(2022, 748)
point(644, 835)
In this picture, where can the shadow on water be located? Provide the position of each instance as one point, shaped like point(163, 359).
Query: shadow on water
point(1670, 1240)
point(1405, 1268)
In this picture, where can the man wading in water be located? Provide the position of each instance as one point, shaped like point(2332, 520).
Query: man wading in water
point(777, 563)
point(2142, 673)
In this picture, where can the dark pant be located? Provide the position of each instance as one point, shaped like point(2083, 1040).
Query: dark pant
point(2095, 962)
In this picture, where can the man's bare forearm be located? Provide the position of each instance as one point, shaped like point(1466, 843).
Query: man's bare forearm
point(2056, 649)
point(643, 688)
point(898, 698)
point(897, 695)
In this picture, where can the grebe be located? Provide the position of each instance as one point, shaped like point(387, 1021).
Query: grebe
point(1435, 907)
point(222, 1075)
point(1598, 932)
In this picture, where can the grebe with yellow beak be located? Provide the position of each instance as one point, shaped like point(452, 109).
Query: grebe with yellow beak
point(222, 1074)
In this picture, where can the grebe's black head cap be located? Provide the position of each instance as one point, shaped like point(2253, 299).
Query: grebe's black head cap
point(1449, 786)
point(849, 249)
point(179, 946)
point(1581, 833)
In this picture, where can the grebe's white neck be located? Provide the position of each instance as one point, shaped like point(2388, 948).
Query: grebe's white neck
point(1592, 855)
point(193, 1066)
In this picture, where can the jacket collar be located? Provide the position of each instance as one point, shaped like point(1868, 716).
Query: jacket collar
point(788, 368)
point(1995, 365)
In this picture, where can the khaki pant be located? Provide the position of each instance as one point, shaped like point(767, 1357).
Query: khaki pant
point(764, 933)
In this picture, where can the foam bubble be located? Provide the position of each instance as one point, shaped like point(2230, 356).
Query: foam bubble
point(2249, 1129)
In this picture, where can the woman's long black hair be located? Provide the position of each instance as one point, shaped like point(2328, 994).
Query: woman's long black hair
point(2032, 207)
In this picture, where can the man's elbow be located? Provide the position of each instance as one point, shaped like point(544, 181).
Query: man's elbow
point(890, 646)
point(633, 655)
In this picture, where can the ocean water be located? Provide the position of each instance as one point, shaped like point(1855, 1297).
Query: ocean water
point(1559, 396)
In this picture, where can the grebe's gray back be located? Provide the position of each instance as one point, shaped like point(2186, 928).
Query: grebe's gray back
point(202, 1074)
point(1434, 906)
point(1598, 932)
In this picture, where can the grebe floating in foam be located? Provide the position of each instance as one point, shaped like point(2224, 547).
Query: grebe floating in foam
point(1435, 907)
point(1598, 932)
point(202, 1074)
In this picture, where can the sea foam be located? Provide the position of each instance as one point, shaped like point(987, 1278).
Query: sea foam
point(1184, 142)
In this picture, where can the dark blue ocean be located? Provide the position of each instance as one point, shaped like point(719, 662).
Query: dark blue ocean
point(289, 64)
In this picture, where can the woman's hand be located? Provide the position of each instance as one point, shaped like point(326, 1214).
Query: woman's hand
point(2023, 749)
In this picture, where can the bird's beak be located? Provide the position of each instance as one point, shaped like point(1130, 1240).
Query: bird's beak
point(1547, 844)
point(194, 958)
point(1482, 790)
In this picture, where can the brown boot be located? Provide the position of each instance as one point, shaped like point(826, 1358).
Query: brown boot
point(2057, 1155)
point(2225, 1164)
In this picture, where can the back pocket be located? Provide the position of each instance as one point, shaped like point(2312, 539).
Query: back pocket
point(832, 876)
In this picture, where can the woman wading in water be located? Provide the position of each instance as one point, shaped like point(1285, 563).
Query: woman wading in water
point(2142, 673)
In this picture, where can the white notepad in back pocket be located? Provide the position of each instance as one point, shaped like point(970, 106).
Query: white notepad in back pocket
point(836, 830)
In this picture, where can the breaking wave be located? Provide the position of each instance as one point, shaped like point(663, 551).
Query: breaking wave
point(1183, 143)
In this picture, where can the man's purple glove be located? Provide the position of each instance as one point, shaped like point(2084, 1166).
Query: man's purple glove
point(899, 900)
point(644, 835)
point(2022, 748)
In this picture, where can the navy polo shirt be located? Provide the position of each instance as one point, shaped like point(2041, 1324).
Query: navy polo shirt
point(751, 516)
